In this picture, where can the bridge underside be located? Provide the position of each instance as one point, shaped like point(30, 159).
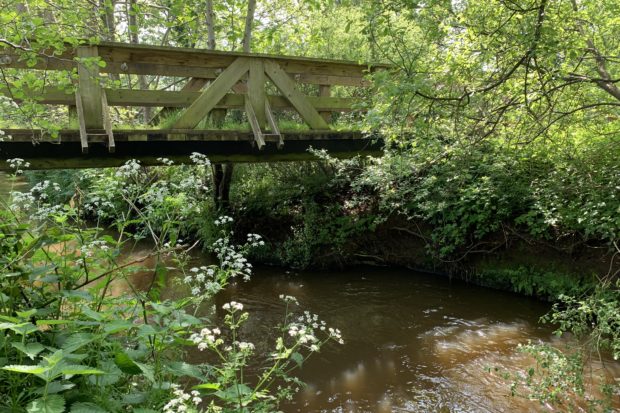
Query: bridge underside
point(66, 152)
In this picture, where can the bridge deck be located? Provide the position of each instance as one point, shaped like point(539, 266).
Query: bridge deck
point(148, 145)
point(109, 74)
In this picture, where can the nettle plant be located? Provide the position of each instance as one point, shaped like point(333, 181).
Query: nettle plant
point(70, 342)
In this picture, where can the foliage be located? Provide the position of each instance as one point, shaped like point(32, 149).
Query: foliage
point(545, 284)
point(68, 342)
point(558, 379)
point(594, 316)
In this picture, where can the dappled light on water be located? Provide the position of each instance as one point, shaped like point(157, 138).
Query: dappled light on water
point(413, 342)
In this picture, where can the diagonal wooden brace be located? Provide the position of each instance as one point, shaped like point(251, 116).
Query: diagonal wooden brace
point(300, 102)
point(258, 134)
point(210, 97)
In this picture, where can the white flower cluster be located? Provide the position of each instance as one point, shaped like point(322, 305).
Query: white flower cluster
point(165, 161)
point(100, 203)
point(88, 250)
point(245, 346)
point(179, 403)
point(18, 164)
point(233, 306)
point(289, 299)
point(4, 136)
point(199, 159)
point(255, 240)
point(34, 201)
point(306, 327)
point(231, 260)
point(223, 220)
point(206, 338)
point(202, 280)
point(130, 169)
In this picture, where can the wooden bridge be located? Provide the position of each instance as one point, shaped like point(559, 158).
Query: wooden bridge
point(260, 85)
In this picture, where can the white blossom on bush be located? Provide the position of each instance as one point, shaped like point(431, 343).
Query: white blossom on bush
point(179, 403)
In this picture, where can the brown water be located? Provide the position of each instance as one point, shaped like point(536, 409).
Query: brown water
point(414, 342)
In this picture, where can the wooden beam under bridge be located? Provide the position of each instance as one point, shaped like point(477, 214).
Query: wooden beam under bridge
point(148, 145)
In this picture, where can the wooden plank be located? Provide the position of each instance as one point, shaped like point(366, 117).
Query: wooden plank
point(89, 89)
point(193, 85)
point(124, 135)
point(256, 129)
point(132, 53)
point(180, 99)
point(273, 125)
point(297, 99)
point(171, 61)
point(82, 125)
point(325, 91)
point(212, 94)
point(107, 123)
point(256, 90)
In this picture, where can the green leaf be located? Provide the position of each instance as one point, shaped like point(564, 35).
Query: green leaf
point(79, 369)
point(117, 325)
point(54, 322)
point(111, 376)
point(49, 404)
point(91, 314)
point(87, 408)
point(55, 387)
point(297, 358)
point(76, 341)
point(26, 314)
point(147, 371)
point(234, 393)
point(19, 328)
point(207, 386)
point(29, 349)
point(27, 369)
point(181, 368)
point(134, 398)
point(126, 364)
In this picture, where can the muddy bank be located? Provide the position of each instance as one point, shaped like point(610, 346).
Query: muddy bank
point(507, 259)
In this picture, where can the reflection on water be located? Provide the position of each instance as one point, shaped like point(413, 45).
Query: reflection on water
point(414, 343)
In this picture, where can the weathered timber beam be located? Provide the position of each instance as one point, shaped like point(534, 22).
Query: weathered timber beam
point(179, 99)
point(192, 85)
point(89, 88)
point(288, 88)
point(167, 61)
point(120, 52)
point(256, 91)
point(219, 148)
point(256, 128)
point(153, 135)
point(273, 125)
point(207, 100)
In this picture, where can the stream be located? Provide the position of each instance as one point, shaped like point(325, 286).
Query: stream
point(413, 342)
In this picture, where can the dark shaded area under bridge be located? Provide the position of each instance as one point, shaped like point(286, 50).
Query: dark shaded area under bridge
point(148, 145)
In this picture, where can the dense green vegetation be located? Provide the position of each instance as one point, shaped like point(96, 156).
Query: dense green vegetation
point(502, 127)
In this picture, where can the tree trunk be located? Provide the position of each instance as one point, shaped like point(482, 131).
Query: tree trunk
point(107, 17)
point(249, 20)
point(134, 38)
point(209, 20)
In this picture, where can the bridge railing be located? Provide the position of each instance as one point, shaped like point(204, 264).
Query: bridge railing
point(216, 81)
